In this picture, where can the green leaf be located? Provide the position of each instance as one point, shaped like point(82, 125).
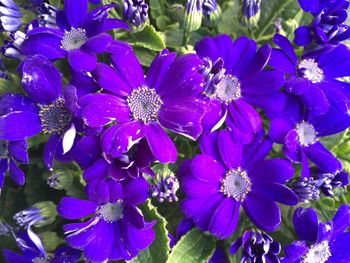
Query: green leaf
point(157, 8)
point(8, 86)
point(159, 250)
point(195, 246)
point(147, 38)
point(144, 55)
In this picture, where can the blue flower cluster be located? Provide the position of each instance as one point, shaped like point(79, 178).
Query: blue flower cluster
point(115, 119)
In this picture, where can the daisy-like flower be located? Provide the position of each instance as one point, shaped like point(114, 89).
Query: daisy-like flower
point(227, 176)
point(116, 229)
point(328, 27)
point(314, 79)
point(298, 130)
point(235, 82)
point(319, 242)
point(167, 97)
point(79, 37)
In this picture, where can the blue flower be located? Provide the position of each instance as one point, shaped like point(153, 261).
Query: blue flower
point(235, 82)
point(319, 242)
point(10, 16)
point(79, 36)
point(227, 176)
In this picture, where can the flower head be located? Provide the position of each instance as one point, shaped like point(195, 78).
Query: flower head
point(135, 11)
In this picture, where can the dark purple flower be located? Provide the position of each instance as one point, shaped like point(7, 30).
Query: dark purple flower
point(10, 16)
point(116, 229)
point(79, 37)
point(250, 12)
point(298, 130)
point(257, 247)
point(306, 188)
point(328, 28)
point(319, 242)
point(227, 175)
point(33, 251)
point(135, 11)
point(168, 97)
point(327, 182)
point(314, 79)
point(235, 81)
point(219, 256)
point(164, 186)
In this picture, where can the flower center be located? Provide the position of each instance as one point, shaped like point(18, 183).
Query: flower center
point(310, 70)
point(73, 39)
point(144, 104)
point(3, 149)
point(111, 212)
point(306, 133)
point(236, 184)
point(318, 253)
point(55, 118)
point(228, 89)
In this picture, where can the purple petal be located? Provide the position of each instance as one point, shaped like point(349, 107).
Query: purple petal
point(41, 80)
point(221, 224)
point(134, 216)
point(158, 68)
point(16, 174)
point(73, 208)
point(190, 206)
point(306, 224)
point(262, 211)
point(320, 156)
point(273, 171)
point(315, 100)
point(244, 52)
point(336, 63)
point(230, 153)
point(119, 138)
point(19, 125)
point(108, 79)
point(258, 62)
point(279, 129)
point(341, 220)
point(295, 250)
point(98, 170)
point(286, 46)
point(18, 150)
point(214, 116)
point(207, 169)
point(50, 149)
point(303, 36)
point(85, 233)
point(136, 192)
point(75, 11)
point(162, 147)
point(16, 102)
point(98, 44)
point(81, 60)
point(281, 61)
point(194, 188)
point(277, 192)
point(340, 248)
point(183, 117)
point(309, 5)
point(101, 109)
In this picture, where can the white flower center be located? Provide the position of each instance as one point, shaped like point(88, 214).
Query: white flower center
point(318, 253)
point(111, 212)
point(306, 133)
point(73, 39)
point(310, 70)
point(144, 104)
point(236, 184)
point(228, 89)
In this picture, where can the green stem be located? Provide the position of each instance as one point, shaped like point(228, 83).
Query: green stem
point(280, 6)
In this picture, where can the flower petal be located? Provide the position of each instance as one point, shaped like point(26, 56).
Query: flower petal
point(76, 11)
point(306, 224)
point(81, 60)
point(206, 169)
point(73, 208)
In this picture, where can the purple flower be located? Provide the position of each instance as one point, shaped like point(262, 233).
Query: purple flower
point(116, 229)
point(10, 15)
point(298, 130)
point(135, 11)
point(314, 79)
point(168, 97)
point(328, 28)
point(257, 247)
point(227, 175)
point(235, 82)
point(331, 181)
point(319, 242)
point(79, 36)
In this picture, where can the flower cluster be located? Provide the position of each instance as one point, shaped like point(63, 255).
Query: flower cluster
point(231, 132)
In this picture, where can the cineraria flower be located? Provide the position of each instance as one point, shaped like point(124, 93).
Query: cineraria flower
point(298, 131)
point(33, 251)
point(10, 16)
point(306, 188)
point(256, 247)
point(250, 12)
point(227, 175)
point(330, 181)
point(116, 229)
point(329, 25)
point(314, 79)
point(164, 186)
point(167, 97)
point(235, 81)
point(12, 47)
point(80, 35)
point(319, 242)
point(135, 11)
